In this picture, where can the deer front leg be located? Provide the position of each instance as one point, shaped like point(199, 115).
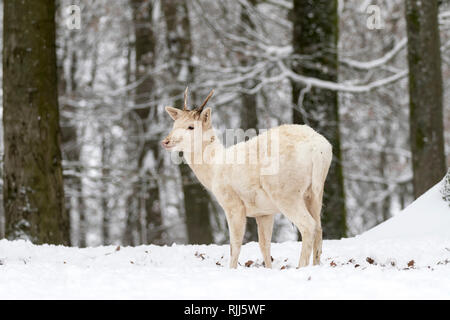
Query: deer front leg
point(236, 225)
point(235, 213)
point(265, 226)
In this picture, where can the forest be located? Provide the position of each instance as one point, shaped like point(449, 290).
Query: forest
point(85, 83)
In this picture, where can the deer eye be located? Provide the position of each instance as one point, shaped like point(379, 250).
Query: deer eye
point(191, 128)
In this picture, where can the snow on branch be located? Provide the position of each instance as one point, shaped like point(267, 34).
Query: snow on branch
point(281, 3)
point(378, 180)
point(343, 87)
point(377, 62)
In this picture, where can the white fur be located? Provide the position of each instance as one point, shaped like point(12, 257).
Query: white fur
point(301, 159)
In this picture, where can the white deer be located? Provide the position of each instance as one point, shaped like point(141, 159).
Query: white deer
point(246, 188)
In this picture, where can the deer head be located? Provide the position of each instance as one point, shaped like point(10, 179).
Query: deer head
point(189, 126)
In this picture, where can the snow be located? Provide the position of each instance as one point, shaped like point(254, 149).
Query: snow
point(406, 257)
point(426, 217)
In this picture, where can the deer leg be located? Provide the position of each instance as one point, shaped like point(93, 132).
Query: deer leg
point(299, 215)
point(265, 227)
point(317, 247)
point(314, 205)
point(236, 219)
point(236, 224)
point(307, 227)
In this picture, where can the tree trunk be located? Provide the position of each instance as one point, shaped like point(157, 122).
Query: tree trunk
point(197, 204)
point(33, 182)
point(129, 235)
point(249, 115)
point(71, 148)
point(315, 35)
point(147, 189)
point(425, 94)
point(196, 198)
point(106, 215)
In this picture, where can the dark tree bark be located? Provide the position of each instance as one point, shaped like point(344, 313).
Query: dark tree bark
point(197, 204)
point(425, 94)
point(33, 182)
point(196, 198)
point(129, 237)
point(315, 35)
point(106, 215)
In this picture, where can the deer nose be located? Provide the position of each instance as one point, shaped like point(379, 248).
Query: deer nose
point(165, 142)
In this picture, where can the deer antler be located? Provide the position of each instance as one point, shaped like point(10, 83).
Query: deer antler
point(185, 108)
point(206, 101)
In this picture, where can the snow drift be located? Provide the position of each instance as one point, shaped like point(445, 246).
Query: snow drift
point(428, 216)
point(406, 257)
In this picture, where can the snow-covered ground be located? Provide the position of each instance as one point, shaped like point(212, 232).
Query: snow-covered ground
point(406, 257)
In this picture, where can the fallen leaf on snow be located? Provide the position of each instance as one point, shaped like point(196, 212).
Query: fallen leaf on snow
point(249, 263)
point(200, 255)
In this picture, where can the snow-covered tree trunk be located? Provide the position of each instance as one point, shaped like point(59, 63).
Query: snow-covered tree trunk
point(33, 182)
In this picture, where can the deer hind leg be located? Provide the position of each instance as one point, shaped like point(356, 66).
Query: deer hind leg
point(299, 215)
point(317, 247)
point(265, 227)
point(314, 205)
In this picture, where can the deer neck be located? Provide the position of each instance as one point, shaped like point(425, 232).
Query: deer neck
point(203, 161)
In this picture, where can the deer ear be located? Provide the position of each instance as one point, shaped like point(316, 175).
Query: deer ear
point(174, 113)
point(205, 116)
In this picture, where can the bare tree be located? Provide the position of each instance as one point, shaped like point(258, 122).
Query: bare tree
point(70, 139)
point(145, 209)
point(178, 36)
